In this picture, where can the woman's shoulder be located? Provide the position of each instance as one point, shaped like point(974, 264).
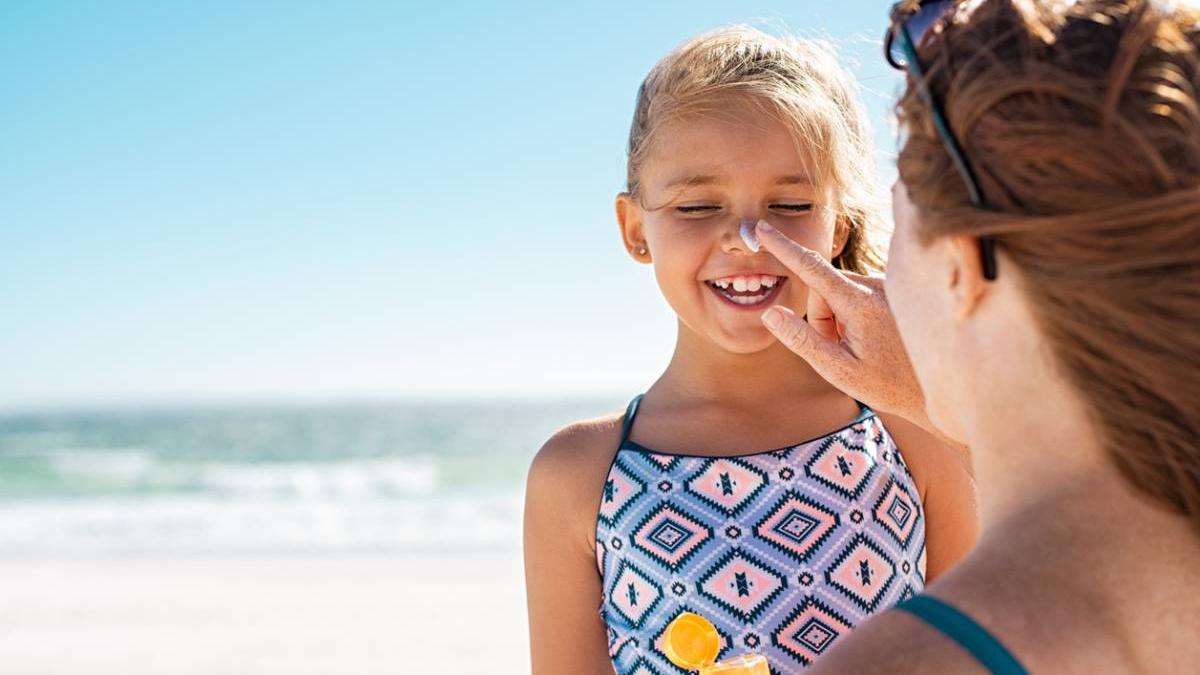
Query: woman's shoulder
point(894, 643)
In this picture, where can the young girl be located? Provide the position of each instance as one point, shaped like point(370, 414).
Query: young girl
point(740, 486)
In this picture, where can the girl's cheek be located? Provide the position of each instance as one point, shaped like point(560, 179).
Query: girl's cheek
point(816, 230)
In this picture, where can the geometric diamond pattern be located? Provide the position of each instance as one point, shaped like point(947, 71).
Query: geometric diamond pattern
point(643, 667)
point(797, 526)
point(896, 511)
point(667, 462)
point(670, 536)
point(845, 469)
point(784, 551)
point(633, 594)
point(741, 584)
point(728, 484)
point(862, 572)
point(809, 631)
point(621, 490)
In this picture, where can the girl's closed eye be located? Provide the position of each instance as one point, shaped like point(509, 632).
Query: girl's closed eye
point(793, 208)
point(697, 209)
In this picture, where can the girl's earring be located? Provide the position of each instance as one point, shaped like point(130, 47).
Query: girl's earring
point(642, 251)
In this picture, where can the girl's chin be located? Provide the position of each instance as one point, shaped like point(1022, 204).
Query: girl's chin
point(749, 340)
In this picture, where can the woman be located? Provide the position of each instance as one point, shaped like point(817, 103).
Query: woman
point(1045, 279)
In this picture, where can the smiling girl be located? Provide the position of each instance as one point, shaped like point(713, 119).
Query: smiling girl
point(741, 486)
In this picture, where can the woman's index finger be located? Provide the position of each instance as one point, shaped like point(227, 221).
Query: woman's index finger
point(811, 268)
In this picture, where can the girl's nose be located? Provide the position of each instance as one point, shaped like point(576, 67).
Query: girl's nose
point(741, 237)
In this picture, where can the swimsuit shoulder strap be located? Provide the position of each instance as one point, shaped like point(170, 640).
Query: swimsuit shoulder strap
point(986, 649)
point(864, 411)
point(630, 413)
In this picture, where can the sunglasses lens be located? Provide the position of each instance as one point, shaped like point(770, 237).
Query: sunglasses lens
point(895, 52)
point(918, 26)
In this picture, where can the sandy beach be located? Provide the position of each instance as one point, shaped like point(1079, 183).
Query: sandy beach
point(262, 614)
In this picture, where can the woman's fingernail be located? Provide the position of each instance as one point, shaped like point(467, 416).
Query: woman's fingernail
point(749, 235)
point(764, 226)
point(773, 318)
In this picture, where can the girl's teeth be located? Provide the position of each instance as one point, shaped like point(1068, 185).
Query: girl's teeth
point(744, 284)
point(754, 284)
point(748, 300)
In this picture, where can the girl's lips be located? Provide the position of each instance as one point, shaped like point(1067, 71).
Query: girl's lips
point(768, 296)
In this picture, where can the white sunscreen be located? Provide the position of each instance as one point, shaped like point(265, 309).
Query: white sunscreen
point(749, 235)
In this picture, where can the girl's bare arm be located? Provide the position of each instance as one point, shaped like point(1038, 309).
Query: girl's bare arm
point(562, 582)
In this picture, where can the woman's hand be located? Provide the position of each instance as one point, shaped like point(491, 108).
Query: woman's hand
point(847, 334)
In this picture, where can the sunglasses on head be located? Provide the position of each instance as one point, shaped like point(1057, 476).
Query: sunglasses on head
point(911, 23)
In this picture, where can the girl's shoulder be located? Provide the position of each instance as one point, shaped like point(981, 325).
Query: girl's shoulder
point(568, 472)
point(928, 458)
point(580, 445)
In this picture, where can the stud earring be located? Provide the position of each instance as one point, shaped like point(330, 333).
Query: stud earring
point(642, 251)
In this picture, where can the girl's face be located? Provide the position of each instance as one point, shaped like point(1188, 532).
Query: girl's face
point(703, 177)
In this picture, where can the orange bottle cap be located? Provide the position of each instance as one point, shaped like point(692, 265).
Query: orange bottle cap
point(691, 641)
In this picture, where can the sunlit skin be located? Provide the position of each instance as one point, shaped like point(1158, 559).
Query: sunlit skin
point(924, 318)
point(730, 386)
point(706, 175)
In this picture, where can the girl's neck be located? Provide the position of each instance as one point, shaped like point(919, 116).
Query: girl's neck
point(700, 369)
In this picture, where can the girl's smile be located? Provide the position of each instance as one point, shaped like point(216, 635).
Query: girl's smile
point(752, 291)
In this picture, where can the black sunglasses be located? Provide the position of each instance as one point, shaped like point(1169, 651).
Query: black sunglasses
point(908, 28)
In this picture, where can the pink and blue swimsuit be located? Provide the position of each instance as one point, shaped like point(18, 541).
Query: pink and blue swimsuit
point(784, 551)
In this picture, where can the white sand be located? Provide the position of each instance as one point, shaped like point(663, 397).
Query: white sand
point(258, 614)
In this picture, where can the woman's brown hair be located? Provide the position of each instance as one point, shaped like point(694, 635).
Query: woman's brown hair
point(1082, 121)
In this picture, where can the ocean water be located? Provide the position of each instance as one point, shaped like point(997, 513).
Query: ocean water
point(256, 478)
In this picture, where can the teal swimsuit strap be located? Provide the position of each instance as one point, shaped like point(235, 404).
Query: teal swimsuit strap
point(864, 411)
point(963, 630)
point(630, 413)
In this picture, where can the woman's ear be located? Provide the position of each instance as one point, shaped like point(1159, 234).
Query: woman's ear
point(965, 278)
point(633, 229)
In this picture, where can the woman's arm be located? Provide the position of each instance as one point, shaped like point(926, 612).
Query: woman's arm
point(947, 492)
point(562, 582)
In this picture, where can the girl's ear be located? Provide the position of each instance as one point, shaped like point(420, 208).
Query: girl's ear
point(633, 229)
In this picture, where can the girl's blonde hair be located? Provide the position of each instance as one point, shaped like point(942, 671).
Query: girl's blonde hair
point(800, 82)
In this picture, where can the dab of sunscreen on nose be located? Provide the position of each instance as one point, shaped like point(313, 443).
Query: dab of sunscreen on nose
point(749, 235)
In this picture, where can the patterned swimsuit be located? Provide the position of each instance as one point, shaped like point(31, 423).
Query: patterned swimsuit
point(784, 551)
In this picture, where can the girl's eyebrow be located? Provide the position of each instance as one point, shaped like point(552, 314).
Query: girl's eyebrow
point(697, 180)
point(694, 181)
point(709, 179)
point(795, 179)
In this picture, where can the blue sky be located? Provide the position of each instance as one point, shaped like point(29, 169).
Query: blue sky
point(325, 200)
